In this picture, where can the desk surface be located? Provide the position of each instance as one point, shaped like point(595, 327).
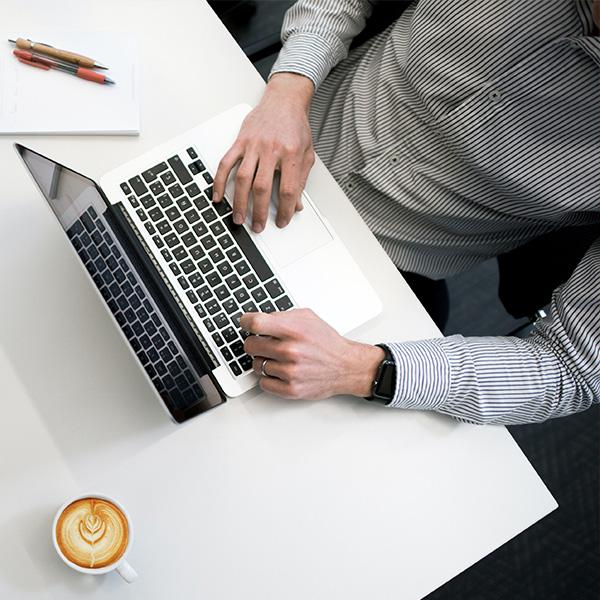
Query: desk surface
point(260, 498)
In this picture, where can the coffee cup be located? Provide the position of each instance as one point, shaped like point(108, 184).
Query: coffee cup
point(92, 533)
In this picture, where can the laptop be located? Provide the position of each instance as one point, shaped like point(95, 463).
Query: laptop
point(177, 274)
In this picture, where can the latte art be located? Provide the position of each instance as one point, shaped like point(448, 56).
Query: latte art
point(92, 533)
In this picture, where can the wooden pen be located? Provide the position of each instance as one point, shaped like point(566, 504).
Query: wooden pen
point(63, 55)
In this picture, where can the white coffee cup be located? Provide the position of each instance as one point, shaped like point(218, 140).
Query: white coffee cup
point(122, 567)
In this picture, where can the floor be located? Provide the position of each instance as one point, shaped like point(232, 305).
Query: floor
point(558, 558)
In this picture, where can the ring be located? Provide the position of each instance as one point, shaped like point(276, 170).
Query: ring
point(262, 368)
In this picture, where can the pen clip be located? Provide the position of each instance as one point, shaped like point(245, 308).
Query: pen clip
point(29, 59)
point(34, 64)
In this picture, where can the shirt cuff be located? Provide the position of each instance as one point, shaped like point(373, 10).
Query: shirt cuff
point(422, 374)
point(310, 55)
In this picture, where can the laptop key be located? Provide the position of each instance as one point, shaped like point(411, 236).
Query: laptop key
point(245, 362)
point(192, 153)
point(176, 190)
point(196, 280)
point(126, 189)
point(225, 242)
point(180, 170)
point(149, 176)
point(230, 306)
point(197, 252)
point(147, 201)
point(212, 306)
point(237, 348)
point(242, 267)
point(165, 201)
point(241, 295)
point(200, 310)
point(181, 226)
point(250, 281)
point(209, 215)
point(209, 325)
point(242, 237)
point(188, 266)
point(156, 214)
point(267, 307)
point(193, 190)
point(233, 282)
point(180, 253)
point(226, 353)
point(204, 293)
point(168, 178)
point(183, 282)
point(171, 240)
point(163, 227)
point(205, 265)
point(235, 368)
point(150, 228)
point(233, 255)
point(259, 294)
point(213, 279)
point(284, 303)
point(189, 239)
point(139, 187)
point(201, 202)
point(175, 268)
point(173, 213)
point(229, 334)
point(225, 268)
point(217, 228)
point(222, 292)
point(133, 201)
point(221, 320)
point(192, 216)
point(192, 297)
point(223, 207)
point(216, 255)
point(200, 229)
point(160, 167)
point(274, 288)
point(157, 188)
point(208, 242)
point(249, 307)
point(217, 339)
point(184, 203)
point(207, 177)
point(166, 255)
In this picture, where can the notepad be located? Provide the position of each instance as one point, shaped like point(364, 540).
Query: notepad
point(33, 101)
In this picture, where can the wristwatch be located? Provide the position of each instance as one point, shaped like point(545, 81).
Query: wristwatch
point(384, 384)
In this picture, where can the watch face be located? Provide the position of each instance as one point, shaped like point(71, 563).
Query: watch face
point(387, 382)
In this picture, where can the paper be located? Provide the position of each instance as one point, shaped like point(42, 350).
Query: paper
point(36, 101)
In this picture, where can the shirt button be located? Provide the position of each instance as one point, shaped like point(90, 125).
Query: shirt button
point(495, 96)
point(394, 160)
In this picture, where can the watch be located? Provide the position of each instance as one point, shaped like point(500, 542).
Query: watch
point(384, 384)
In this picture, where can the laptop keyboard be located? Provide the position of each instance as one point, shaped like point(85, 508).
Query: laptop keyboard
point(156, 348)
point(214, 262)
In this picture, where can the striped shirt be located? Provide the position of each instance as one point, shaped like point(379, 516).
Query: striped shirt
point(462, 131)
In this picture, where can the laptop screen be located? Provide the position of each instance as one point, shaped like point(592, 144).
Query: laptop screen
point(88, 222)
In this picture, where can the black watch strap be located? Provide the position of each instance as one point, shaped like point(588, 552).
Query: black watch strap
point(384, 384)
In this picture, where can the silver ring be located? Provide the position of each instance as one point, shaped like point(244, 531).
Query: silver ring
point(262, 368)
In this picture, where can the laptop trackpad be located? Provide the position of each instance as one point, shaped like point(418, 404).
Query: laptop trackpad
point(305, 233)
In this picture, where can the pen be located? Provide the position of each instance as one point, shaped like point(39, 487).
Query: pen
point(34, 60)
point(63, 55)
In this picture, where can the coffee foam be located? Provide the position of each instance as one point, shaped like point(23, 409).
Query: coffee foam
point(92, 533)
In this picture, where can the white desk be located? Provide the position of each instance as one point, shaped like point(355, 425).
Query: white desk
point(260, 498)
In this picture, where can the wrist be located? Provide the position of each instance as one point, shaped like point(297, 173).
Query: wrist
point(292, 89)
point(361, 362)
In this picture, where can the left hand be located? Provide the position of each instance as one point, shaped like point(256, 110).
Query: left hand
point(306, 358)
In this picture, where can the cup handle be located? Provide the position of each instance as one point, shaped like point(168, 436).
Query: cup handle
point(126, 571)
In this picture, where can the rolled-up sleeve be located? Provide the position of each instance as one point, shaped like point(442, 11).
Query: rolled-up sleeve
point(316, 36)
point(507, 380)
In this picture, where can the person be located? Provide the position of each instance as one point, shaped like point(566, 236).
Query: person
point(460, 132)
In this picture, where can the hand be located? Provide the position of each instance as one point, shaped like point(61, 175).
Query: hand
point(274, 136)
point(306, 357)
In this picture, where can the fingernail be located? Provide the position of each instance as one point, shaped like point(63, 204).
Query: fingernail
point(257, 227)
point(215, 197)
point(238, 219)
point(281, 223)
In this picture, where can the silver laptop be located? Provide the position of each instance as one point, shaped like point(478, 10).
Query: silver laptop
point(177, 274)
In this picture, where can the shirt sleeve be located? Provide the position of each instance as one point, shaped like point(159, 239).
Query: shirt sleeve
point(316, 36)
point(507, 380)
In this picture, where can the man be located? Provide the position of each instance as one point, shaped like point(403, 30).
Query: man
point(460, 132)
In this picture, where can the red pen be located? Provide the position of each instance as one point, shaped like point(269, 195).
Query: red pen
point(34, 60)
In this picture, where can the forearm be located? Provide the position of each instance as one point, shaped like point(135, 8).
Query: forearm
point(507, 380)
point(316, 35)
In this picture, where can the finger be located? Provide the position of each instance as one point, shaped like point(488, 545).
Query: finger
point(290, 187)
point(261, 192)
point(271, 368)
point(276, 386)
point(263, 345)
point(243, 183)
point(276, 324)
point(232, 156)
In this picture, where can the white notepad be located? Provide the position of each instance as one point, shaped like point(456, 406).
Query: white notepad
point(36, 101)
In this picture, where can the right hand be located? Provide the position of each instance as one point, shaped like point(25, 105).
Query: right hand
point(275, 136)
